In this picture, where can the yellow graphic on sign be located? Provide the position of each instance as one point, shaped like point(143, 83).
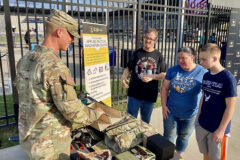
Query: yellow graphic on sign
point(107, 101)
point(95, 56)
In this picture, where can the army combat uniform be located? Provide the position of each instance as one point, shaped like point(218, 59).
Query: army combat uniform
point(48, 105)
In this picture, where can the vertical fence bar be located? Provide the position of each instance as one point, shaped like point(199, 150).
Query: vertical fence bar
point(185, 29)
point(173, 39)
point(128, 40)
point(198, 33)
point(202, 38)
point(91, 11)
point(27, 19)
point(144, 18)
point(207, 25)
point(134, 17)
point(103, 12)
point(20, 29)
point(148, 13)
point(123, 44)
point(158, 21)
point(167, 44)
point(180, 21)
point(66, 10)
point(138, 29)
point(162, 31)
point(191, 29)
point(156, 18)
point(113, 43)
point(152, 14)
point(97, 11)
point(11, 56)
point(195, 31)
point(43, 14)
point(119, 14)
point(80, 47)
point(3, 90)
point(73, 50)
point(36, 22)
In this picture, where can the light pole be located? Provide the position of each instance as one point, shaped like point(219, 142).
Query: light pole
point(180, 26)
point(134, 24)
point(106, 16)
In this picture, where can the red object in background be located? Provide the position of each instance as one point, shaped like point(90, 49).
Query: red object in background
point(81, 146)
point(71, 147)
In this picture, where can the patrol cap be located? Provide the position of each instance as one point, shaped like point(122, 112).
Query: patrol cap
point(63, 20)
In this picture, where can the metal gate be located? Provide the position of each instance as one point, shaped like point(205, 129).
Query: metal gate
point(179, 23)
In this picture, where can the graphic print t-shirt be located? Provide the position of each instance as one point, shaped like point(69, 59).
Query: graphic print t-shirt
point(216, 88)
point(143, 63)
point(185, 90)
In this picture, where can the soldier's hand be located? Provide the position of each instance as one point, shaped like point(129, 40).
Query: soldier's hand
point(99, 110)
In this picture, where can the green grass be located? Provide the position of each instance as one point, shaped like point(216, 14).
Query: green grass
point(123, 106)
point(5, 133)
point(9, 131)
point(10, 108)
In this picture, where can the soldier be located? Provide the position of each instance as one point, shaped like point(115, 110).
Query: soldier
point(48, 106)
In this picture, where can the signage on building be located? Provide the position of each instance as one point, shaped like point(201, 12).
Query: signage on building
point(233, 45)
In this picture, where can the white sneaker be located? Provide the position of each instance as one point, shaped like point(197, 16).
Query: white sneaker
point(177, 156)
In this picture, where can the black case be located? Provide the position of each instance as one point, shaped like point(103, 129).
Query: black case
point(161, 147)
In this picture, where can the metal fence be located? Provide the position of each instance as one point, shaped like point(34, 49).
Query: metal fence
point(178, 23)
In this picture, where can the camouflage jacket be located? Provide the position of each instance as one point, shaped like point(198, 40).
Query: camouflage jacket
point(47, 95)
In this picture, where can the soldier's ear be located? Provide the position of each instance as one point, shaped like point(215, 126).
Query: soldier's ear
point(59, 32)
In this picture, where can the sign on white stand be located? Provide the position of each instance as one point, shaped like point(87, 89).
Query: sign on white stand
point(96, 62)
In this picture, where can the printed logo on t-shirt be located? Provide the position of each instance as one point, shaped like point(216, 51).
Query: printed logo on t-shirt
point(144, 66)
point(183, 84)
point(212, 87)
point(207, 97)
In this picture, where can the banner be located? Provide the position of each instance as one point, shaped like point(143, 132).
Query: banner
point(96, 62)
point(233, 45)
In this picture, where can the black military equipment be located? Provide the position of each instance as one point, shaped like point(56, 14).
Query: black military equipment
point(161, 147)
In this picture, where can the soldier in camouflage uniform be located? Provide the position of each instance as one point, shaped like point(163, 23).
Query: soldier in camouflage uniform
point(48, 106)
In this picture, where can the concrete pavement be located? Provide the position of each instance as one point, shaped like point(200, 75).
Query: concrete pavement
point(192, 153)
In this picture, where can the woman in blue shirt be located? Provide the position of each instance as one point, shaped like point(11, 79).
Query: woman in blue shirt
point(180, 95)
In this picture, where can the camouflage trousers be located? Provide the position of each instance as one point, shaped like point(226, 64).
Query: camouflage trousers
point(49, 140)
